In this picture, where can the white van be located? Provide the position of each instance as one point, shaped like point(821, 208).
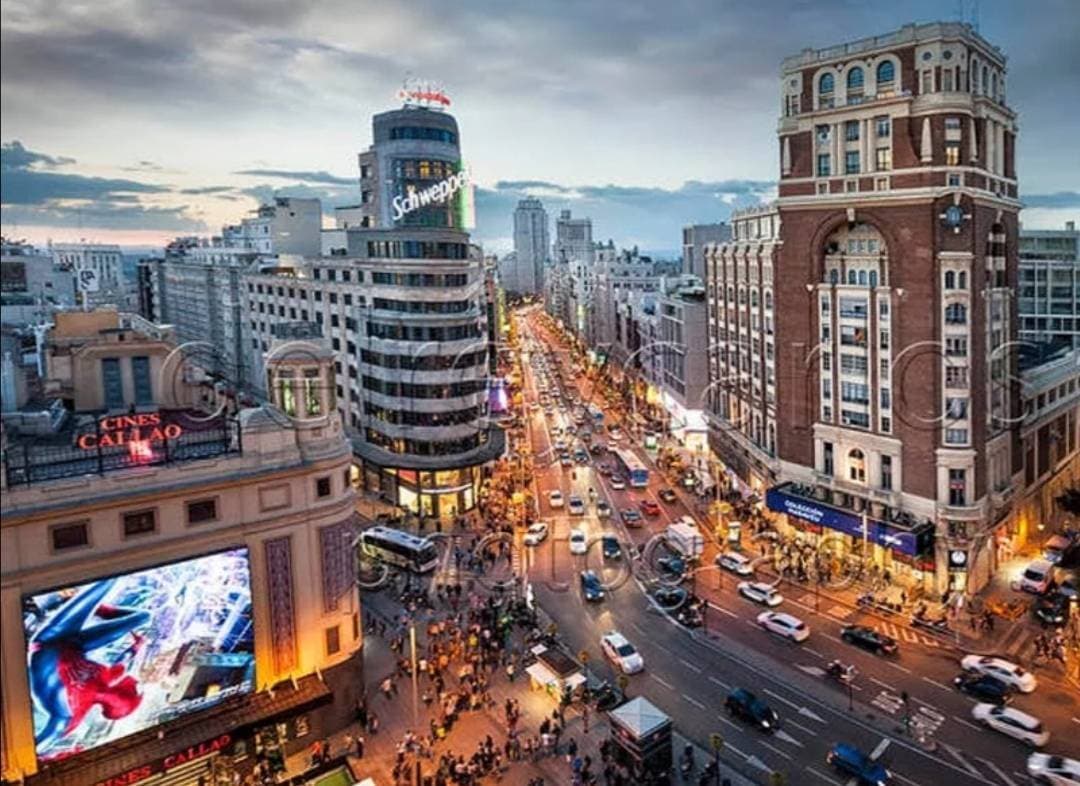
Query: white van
point(1037, 577)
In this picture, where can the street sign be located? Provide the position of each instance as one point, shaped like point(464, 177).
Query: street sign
point(716, 742)
point(88, 280)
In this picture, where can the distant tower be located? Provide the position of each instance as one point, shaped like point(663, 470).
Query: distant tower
point(531, 244)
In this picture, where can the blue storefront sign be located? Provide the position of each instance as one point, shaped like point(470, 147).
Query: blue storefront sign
point(883, 534)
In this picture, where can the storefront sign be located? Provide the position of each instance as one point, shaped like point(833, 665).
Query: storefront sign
point(878, 532)
point(437, 193)
point(167, 763)
point(129, 429)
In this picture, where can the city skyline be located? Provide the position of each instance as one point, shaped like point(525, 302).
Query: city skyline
point(189, 135)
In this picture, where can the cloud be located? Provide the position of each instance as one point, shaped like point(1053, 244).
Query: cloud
point(14, 156)
point(105, 215)
point(1054, 200)
point(330, 196)
point(307, 177)
point(207, 190)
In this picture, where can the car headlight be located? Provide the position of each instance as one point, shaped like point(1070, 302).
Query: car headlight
point(765, 724)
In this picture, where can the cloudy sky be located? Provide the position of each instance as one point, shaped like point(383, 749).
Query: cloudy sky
point(135, 120)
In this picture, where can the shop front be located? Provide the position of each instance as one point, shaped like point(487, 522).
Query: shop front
point(904, 553)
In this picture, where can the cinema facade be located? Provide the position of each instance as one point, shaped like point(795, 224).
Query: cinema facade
point(177, 597)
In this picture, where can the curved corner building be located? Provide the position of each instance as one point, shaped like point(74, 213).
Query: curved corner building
point(421, 427)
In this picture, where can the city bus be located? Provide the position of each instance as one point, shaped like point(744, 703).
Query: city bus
point(631, 467)
point(394, 547)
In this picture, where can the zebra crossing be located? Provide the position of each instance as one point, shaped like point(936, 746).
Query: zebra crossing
point(924, 720)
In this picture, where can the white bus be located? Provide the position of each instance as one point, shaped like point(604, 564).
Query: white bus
point(402, 549)
point(631, 467)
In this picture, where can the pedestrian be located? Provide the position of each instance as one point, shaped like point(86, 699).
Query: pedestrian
point(373, 724)
point(358, 745)
point(571, 750)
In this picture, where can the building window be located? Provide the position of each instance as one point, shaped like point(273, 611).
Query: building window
point(827, 458)
point(851, 131)
point(886, 73)
point(855, 80)
point(883, 159)
point(823, 134)
point(955, 180)
point(322, 487)
point(826, 84)
point(823, 165)
point(333, 640)
point(956, 346)
point(956, 407)
point(886, 473)
point(140, 522)
point(857, 466)
point(956, 376)
point(927, 82)
point(201, 511)
point(956, 436)
point(956, 314)
point(883, 126)
point(112, 383)
point(140, 374)
point(851, 162)
point(881, 184)
point(957, 487)
point(952, 154)
point(69, 536)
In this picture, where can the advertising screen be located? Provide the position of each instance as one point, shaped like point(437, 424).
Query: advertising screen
point(118, 655)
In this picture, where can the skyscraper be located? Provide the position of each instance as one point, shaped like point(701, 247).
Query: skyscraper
point(532, 246)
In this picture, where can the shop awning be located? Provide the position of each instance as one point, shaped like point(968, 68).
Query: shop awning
point(912, 540)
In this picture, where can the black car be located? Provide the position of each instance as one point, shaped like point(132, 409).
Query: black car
point(667, 495)
point(591, 587)
point(671, 598)
point(984, 688)
point(745, 706)
point(611, 547)
point(606, 697)
point(1052, 610)
point(672, 568)
point(869, 639)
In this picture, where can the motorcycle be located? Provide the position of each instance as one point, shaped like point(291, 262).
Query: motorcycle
point(686, 762)
point(920, 620)
point(839, 672)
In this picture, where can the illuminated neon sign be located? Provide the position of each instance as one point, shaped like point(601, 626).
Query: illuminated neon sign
point(138, 432)
point(419, 93)
point(437, 193)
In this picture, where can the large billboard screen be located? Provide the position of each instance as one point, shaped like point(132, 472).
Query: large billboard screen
point(115, 656)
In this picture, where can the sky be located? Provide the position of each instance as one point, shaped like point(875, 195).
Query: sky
point(135, 121)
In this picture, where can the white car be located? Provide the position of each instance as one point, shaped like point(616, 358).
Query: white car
point(759, 592)
point(1006, 671)
point(1008, 720)
point(737, 563)
point(614, 435)
point(577, 505)
point(559, 446)
point(622, 653)
point(555, 499)
point(536, 533)
point(689, 521)
point(617, 483)
point(578, 542)
point(784, 625)
point(1055, 770)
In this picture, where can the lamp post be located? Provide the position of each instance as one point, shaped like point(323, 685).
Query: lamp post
point(415, 691)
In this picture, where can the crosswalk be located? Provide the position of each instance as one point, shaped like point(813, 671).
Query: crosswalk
point(924, 720)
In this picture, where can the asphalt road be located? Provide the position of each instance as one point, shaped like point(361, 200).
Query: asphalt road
point(689, 674)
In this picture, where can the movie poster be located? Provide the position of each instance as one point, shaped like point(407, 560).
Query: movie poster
point(113, 657)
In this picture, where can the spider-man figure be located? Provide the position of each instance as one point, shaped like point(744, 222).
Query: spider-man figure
point(65, 683)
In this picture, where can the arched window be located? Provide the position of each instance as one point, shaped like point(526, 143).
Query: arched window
point(956, 314)
point(768, 300)
point(852, 277)
point(873, 278)
point(886, 72)
point(985, 79)
point(857, 466)
point(950, 280)
point(961, 280)
point(834, 276)
point(855, 79)
point(753, 298)
point(862, 278)
point(826, 84)
point(993, 86)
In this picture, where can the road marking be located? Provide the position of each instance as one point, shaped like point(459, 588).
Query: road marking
point(898, 776)
point(754, 761)
point(833, 638)
point(956, 755)
point(694, 701)
point(722, 719)
point(783, 735)
point(813, 651)
point(790, 722)
point(898, 667)
point(663, 647)
point(967, 723)
point(822, 775)
point(777, 751)
point(880, 749)
point(663, 682)
point(1076, 720)
point(722, 609)
point(693, 667)
point(778, 697)
point(719, 682)
point(885, 685)
point(941, 685)
point(999, 773)
point(808, 713)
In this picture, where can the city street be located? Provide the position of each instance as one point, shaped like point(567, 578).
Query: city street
point(689, 674)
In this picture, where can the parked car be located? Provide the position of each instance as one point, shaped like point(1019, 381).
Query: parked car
point(621, 652)
point(1037, 577)
point(869, 639)
point(984, 687)
point(1052, 610)
point(1054, 770)
point(649, 508)
point(759, 592)
point(606, 696)
point(536, 533)
point(667, 495)
point(851, 761)
point(737, 563)
point(591, 588)
point(555, 499)
point(745, 706)
point(1011, 721)
point(631, 517)
point(578, 542)
point(786, 625)
point(1006, 671)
